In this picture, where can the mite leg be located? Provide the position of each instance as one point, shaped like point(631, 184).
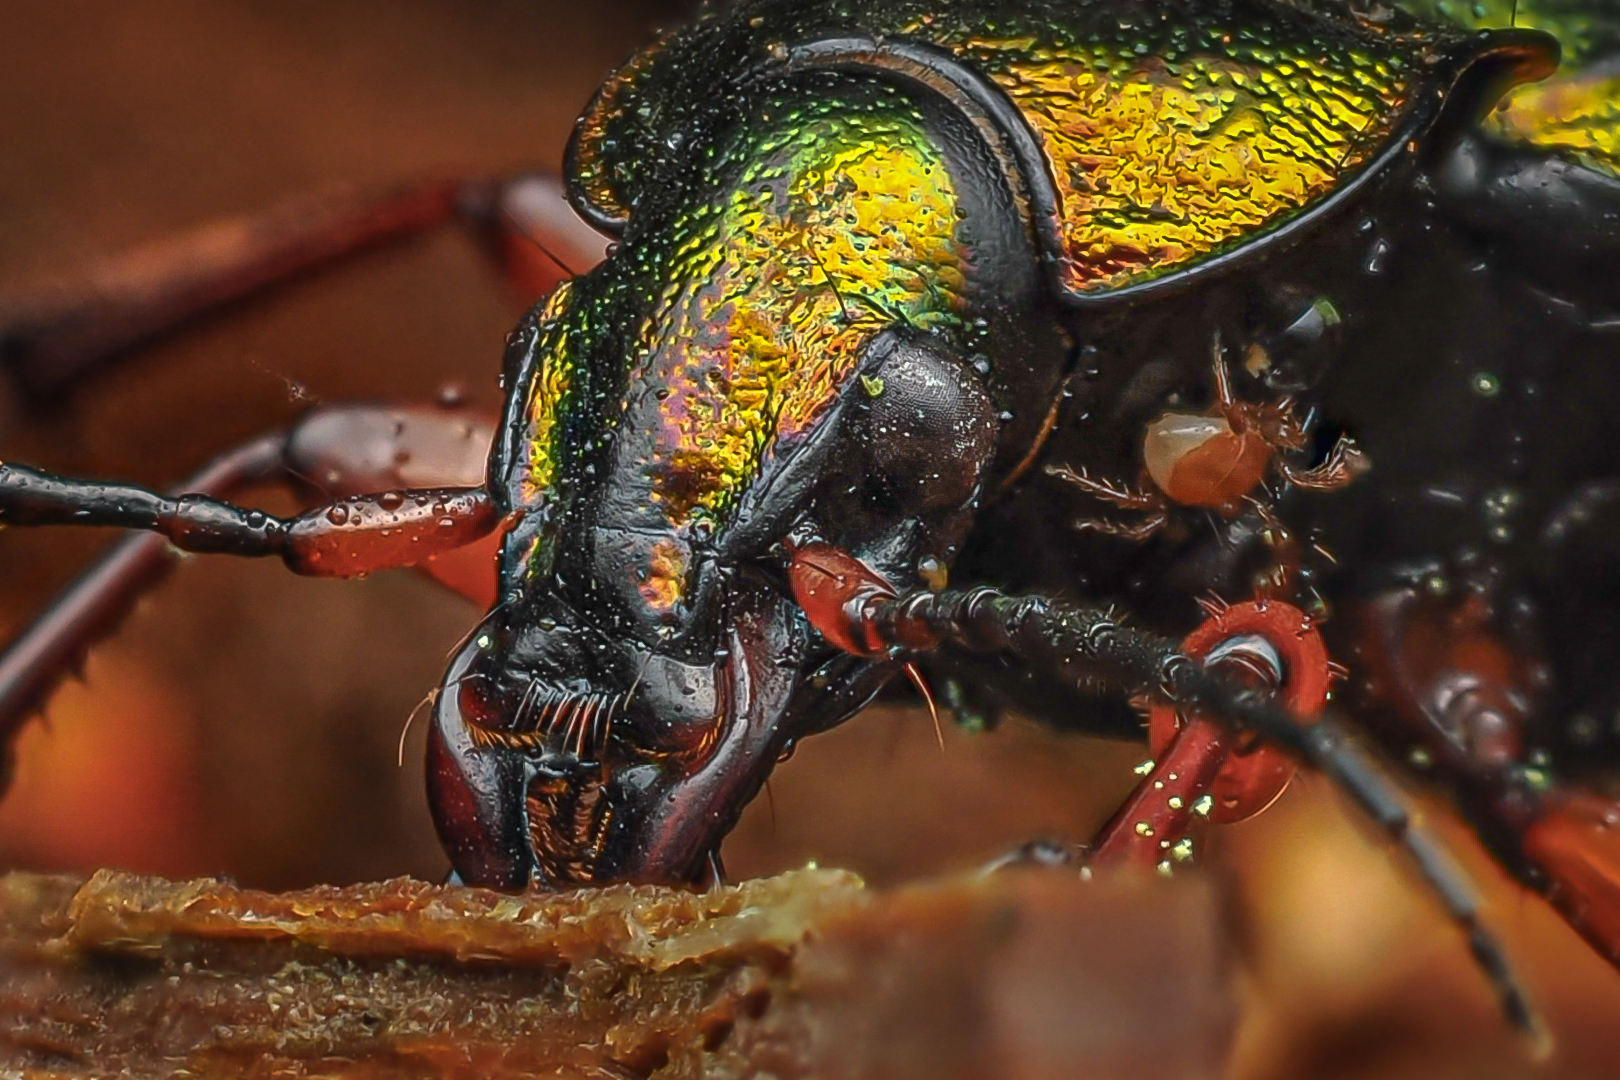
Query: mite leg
point(1344, 462)
point(1121, 495)
point(51, 336)
point(1150, 503)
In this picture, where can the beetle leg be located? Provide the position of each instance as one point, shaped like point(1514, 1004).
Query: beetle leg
point(340, 451)
point(57, 332)
point(349, 537)
point(1149, 828)
point(1203, 769)
point(1464, 698)
point(92, 607)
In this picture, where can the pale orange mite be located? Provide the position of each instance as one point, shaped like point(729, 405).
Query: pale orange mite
point(1215, 460)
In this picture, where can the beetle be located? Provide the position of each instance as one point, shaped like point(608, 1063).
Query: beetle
point(874, 307)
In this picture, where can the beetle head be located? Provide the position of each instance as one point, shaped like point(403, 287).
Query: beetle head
point(647, 665)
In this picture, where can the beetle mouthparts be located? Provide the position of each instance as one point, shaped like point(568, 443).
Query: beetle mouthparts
point(560, 721)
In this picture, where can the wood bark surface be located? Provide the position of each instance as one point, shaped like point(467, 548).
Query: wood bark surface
point(1022, 974)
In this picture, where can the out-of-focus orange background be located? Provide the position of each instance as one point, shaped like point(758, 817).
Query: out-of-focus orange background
point(245, 722)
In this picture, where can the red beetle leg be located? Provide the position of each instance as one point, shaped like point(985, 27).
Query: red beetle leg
point(1148, 829)
point(1575, 841)
point(59, 331)
point(835, 589)
point(532, 233)
point(1197, 758)
point(1254, 776)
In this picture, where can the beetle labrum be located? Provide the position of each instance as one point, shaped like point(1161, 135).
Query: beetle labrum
point(875, 298)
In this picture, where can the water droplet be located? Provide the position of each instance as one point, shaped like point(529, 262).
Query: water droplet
point(1377, 258)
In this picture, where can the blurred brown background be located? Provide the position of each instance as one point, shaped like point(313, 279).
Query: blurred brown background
point(245, 722)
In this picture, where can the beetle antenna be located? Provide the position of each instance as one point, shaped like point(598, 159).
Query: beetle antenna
point(984, 619)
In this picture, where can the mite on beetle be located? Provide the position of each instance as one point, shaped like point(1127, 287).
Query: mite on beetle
point(883, 274)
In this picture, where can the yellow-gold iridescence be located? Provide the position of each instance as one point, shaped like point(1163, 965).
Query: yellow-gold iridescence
point(1160, 163)
point(552, 379)
point(842, 222)
point(1577, 114)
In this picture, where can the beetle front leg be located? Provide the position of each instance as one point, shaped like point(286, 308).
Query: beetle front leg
point(346, 450)
point(1049, 632)
point(347, 538)
point(1151, 825)
point(1204, 769)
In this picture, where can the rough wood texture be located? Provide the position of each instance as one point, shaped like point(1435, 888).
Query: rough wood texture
point(1025, 974)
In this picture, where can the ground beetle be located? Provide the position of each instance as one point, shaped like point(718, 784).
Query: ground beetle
point(1256, 321)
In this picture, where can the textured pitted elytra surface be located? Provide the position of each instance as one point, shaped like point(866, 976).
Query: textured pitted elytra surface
point(1172, 129)
point(1173, 140)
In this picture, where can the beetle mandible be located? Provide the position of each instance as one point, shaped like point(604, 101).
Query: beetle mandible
point(881, 304)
